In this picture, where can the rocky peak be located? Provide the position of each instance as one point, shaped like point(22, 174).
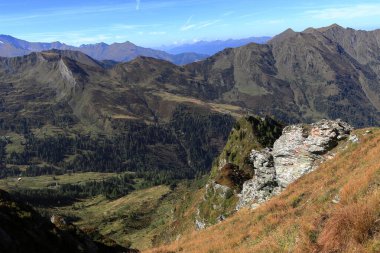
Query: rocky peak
point(284, 35)
point(331, 27)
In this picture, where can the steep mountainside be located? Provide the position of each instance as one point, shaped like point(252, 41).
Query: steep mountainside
point(146, 104)
point(121, 52)
point(333, 208)
point(362, 45)
point(95, 118)
point(260, 160)
point(63, 112)
point(23, 230)
point(233, 167)
point(296, 77)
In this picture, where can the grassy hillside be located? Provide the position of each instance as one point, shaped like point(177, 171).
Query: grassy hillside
point(333, 209)
point(127, 220)
point(142, 219)
point(13, 183)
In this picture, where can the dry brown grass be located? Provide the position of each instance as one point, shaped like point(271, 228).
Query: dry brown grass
point(349, 227)
point(304, 218)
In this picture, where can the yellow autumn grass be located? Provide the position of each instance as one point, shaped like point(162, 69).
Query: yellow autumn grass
point(333, 209)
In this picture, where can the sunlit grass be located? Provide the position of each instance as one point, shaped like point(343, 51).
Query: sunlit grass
point(333, 209)
point(45, 181)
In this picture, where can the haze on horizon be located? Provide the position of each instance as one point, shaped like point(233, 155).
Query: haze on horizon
point(154, 23)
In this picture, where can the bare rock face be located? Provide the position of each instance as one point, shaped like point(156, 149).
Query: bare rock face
point(262, 185)
point(296, 151)
point(294, 154)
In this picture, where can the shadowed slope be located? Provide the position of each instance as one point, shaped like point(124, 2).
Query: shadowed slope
point(23, 230)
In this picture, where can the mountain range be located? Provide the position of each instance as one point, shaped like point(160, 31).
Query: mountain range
point(212, 47)
point(120, 52)
point(62, 112)
point(330, 72)
point(297, 76)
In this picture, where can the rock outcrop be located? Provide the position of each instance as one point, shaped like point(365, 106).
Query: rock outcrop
point(233, 168)
point(262, 185)
point(297, 152)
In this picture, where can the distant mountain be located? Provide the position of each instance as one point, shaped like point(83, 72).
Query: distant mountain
point(167, 122)
point(149, 106)
point(121, 52)
point(212, 47)
point(296, 77)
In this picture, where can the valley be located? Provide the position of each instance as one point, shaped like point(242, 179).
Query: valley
point(275, 140)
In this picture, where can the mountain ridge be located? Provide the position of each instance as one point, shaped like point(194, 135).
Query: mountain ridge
point(101, 51)
point(62, 111)
point(303, 76)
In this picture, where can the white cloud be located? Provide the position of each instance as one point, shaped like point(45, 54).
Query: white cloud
point(137, 4)
point(207, 23)
point(83, 10)
point(346, 12)
point(199, 25)
point(187, 25)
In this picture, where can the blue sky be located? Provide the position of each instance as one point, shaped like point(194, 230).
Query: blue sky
point(157, 22)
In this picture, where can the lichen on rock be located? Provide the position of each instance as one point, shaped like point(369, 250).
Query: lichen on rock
point(295, 153)
point(262, 185)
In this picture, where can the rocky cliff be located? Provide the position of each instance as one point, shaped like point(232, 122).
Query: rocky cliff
point(233, 167)
point(268, 169)
point(297, 152)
